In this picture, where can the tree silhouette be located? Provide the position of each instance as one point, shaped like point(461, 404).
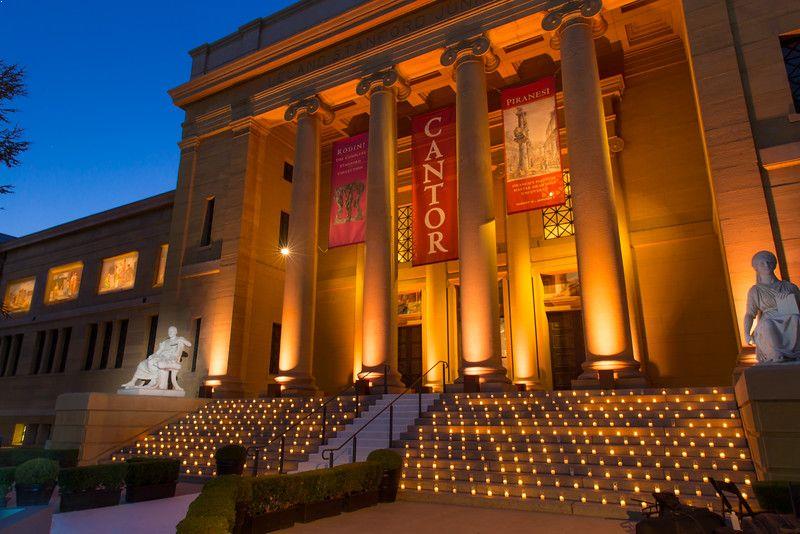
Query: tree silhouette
point(12, 85)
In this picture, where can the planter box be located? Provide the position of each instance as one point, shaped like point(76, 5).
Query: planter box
point(319, 510)
point(357, 501)
point(150, 493)
point(389, 484)
point(268, 522)
point(34, 494)
point(229, 468)
point(85, 500)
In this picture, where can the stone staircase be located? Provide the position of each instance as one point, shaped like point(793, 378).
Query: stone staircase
point(250, 423)
point(376, 435)
point(576, 452)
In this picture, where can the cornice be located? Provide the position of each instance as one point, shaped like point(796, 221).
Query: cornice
point(370, 15)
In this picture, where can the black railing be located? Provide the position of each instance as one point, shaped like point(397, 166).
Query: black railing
point(417, 383)
point(256, 449)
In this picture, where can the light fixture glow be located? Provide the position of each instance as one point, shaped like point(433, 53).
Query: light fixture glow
point(284, 251)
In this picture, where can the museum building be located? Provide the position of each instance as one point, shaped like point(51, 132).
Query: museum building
point(543, 194)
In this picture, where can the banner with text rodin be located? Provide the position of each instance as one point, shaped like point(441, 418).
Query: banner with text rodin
point(534, 178)
point(348, 191)
point(434, 187)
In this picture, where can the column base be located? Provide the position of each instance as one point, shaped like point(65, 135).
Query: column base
point(612, 372)
point(225, 386)
point(296, 384)
point(490, 379)
point(375, 378)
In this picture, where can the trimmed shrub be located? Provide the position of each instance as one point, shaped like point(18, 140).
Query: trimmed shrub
point(773, 496)
point(271, 493)
point(214, 510)
point(6, 480)
point(389, 459)
point(231, 453)
point(13, 456)
point(151, 471)
point(202, 525)
point(37, 471)
point(93, 477)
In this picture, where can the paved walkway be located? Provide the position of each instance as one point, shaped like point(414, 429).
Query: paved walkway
point(422, 518)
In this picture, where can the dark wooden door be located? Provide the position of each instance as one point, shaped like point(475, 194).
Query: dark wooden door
point(409, 353)
point(567, 347)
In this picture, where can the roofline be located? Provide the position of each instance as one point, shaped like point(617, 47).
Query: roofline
point(84, 223)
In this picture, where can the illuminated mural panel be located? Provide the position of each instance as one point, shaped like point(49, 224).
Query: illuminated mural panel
point(162, 266)
point(118, 273)
point(19, 294)
point(409, 303)
point(63, 282)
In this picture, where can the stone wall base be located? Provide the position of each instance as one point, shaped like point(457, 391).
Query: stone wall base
point(97, 423)
point(769, 401)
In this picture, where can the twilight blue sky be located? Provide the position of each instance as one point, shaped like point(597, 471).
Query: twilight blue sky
point(102, 127)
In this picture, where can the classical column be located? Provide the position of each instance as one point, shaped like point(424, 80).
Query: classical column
point(434, 323)
point(600, 267)
point(300, 286)
point(383, 88)
point(477, 241)
point(524, 346)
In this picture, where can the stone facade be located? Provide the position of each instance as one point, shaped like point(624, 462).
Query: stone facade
point(704, 145)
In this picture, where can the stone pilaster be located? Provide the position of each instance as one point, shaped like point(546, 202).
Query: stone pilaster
point(379, 349)
point(480, 308)
point(299, 294)
point(600, 266)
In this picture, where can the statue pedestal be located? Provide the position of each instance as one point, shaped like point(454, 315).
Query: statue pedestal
point(152, 392)
point(768, 397)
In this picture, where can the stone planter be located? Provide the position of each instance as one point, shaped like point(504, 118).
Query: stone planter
point(149, 493)
point(390, 481)
point(357, 501)
point(269, 522)
point(34, 494)
point(229, 467)
point(85, 500)
point(319, 510)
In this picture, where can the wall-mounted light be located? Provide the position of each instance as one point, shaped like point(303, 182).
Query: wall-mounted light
point(285, 251)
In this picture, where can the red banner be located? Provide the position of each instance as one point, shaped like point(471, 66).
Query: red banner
point(533, 154)
point(348, 191)
point(434, 187)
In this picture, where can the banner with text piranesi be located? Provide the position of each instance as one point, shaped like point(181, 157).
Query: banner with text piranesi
point(348, 191)
point(533, 154)
point(434, 187)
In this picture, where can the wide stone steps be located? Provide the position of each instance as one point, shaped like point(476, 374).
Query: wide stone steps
point(576, 451)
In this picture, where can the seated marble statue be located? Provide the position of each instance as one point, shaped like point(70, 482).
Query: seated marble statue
point(154, 372)
point(775, 304)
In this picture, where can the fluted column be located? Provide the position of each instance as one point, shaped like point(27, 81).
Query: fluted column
point(600, 267)
point(380, 260)
point(477, 241)
point(299, 293)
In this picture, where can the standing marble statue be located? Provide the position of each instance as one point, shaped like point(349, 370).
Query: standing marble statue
point(154, 372)
point(776, 305)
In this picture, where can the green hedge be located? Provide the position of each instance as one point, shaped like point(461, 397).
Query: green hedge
point(37, 471)
point(386, 457)
point(215, 507)
point(773, 496)
point(151, 471)
point(214, 510)
point(6, 480)
point(14, 456)
point(92, 477)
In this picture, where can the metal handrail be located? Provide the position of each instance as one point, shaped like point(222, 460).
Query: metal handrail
point(390, 407)
point(256, 449)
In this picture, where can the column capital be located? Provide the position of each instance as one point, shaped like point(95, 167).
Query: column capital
point(474, 47)
point(312, 105)
point(384, 79)
point(574, 12)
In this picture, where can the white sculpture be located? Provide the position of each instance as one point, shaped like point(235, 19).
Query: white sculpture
point(154, 372)
point(776, 305)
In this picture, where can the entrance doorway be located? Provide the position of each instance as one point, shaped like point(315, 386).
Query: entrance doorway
point(409, 353)
point(567, 346)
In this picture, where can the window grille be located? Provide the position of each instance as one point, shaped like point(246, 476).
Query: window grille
point(404, 240)
point(790, 45)
point(558, 221)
